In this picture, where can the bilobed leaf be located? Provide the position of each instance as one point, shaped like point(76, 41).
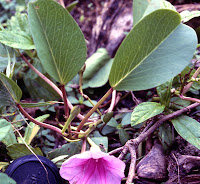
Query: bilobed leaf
point(9, 91)
point(59, 42)
point(148, 55)
point(32, 129)
point(18, 150)
point(144, 111)
point(17, 35)
point(5, 128)
point(188, 128)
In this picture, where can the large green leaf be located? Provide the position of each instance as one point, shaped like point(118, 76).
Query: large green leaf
point(156, 50)
point(189, 129)
point(18, 150)
point(9, 91)
point(59, 42)
point(17, 34)
point(144, 111)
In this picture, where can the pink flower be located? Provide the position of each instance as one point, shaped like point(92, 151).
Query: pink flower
point(93, 167)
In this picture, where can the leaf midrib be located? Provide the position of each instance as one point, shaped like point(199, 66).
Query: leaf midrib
point(53, 57)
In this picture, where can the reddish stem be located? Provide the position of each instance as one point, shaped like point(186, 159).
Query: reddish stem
point(51, 127)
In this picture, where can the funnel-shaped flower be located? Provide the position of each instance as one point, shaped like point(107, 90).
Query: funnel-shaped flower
point(93, 167)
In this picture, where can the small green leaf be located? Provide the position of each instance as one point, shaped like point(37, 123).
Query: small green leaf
point(102, 142)
point(178, 103)
point(10, 93)
point(10, 138)
point(59, 42)
point(188, 15)
point(123, 136)
point(144, 111)
point(148, 56)
point(69, 149)
point(17, 35)
point(188, 128)
point(110, 127)
point(126, 120)
point(59, 160)
point(39, 104)
point(165, 135)
point(164, 92)
point(167, 5)
point(5, 128)
point(5, 179)
point(72, 5)
point(18, 150)
point(3, 164)
point(32, 129)
point(97, 69)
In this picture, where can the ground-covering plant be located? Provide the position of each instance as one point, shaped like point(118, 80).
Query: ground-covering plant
point(156, 53)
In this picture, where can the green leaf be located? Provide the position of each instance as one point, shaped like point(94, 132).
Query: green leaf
point(178, 103)
point(102, 142)
point(110, 127)
point(59, 160)
point(164, 92)
point(69, 149)
point(166, 136)
point(6, 179)
point(37, 88)
point(148, 56)
point(97, 69)
point(123, 136)
point(71, 6)
point(10, 93)
point(167, 5)
point(144, 7)
point(188, 128)
point(144, 111)
point(2, 165)
point(17, 35)
point(59, 42)
point(18, 150)
point(39, 104)
point(5, 128)
point(188, 15)
point(126, 120)
point(32, 129)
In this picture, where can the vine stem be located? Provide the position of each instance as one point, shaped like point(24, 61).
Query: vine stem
point(50, 83)
point(132, 144)
point(94, 109)
point(51, 127)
